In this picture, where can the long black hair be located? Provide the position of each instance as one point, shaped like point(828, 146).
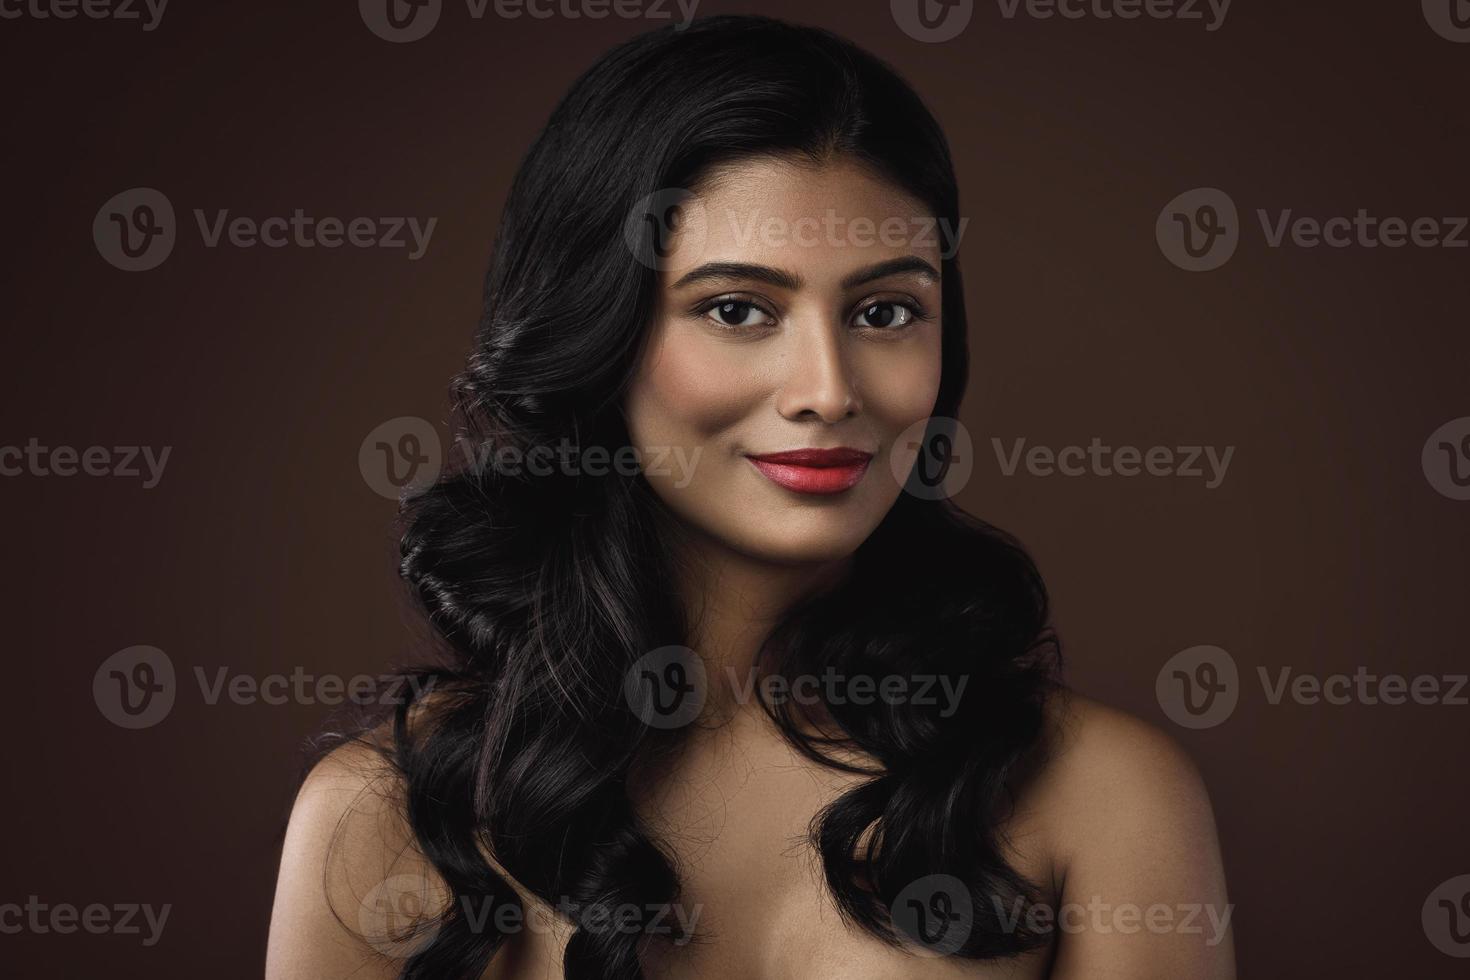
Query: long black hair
point(545, 588)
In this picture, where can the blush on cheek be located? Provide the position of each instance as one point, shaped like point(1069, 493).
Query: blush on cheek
point(901, 388)
point(691, 388)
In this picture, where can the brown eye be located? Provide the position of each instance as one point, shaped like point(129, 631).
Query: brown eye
point(885, 315)
point(737, 313)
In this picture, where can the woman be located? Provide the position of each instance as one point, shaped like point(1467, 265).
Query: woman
point(720, 697)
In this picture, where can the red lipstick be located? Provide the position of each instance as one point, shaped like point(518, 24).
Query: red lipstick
point(814, 470)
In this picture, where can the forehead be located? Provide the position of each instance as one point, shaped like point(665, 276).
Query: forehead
point(823, 219)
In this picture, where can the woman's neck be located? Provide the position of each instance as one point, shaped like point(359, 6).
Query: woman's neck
point(733, 600)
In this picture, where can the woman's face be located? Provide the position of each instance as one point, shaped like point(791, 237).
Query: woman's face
point(798, 313)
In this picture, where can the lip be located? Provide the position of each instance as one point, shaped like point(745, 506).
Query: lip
point(814, 471)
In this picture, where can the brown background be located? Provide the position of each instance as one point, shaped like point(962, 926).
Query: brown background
point(263, 549)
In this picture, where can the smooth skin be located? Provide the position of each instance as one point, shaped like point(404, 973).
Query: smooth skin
point(773, 335)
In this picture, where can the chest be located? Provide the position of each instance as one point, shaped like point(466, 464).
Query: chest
point(735, 811)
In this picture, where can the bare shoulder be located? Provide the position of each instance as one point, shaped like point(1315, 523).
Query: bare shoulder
point(1096, 754)
point(351, 804)
point(1131, 832)
point(349, 867)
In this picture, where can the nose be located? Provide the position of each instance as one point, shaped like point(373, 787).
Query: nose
point(819, 382)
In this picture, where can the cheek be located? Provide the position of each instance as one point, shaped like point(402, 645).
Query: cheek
point(689, 389)
point(900, 384)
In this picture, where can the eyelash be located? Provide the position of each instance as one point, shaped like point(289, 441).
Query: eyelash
point(916, 312)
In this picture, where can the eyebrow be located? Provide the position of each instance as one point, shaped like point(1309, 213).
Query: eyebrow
point(787, 280)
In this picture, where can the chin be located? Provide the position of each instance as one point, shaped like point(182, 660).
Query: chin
point(804, 540)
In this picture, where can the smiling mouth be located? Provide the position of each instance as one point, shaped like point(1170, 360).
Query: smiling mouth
point(818, 471)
